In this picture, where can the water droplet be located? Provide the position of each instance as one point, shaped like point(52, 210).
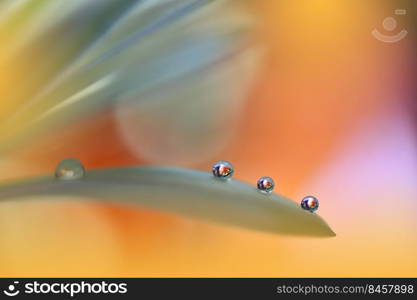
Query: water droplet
point(266, 184)
point(69, 169)
point(223, 169)
point(310, 203)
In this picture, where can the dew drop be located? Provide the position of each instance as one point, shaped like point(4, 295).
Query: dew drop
point(69, 169)
point(310, 203)
point(223, 169)
point(266, 184)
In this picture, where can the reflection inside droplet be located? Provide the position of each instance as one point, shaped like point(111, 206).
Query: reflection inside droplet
point(310, 203)
point(222, 169)
point(265, 184)
point(69, 169)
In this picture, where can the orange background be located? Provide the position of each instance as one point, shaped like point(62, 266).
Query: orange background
point(328, 116)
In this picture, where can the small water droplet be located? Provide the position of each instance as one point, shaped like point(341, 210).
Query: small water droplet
point(223, 169)
point(69, 169)
point(266, 184)
point(310, 203)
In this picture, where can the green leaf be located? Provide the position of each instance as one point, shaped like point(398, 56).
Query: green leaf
point(186, 192)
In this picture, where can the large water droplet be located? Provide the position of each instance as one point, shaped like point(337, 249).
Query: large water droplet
point(310, 203)
point(69, 169)
point(266, 184)
point(223, 169)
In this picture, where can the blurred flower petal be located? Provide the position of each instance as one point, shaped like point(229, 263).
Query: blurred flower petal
point(150, 52)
